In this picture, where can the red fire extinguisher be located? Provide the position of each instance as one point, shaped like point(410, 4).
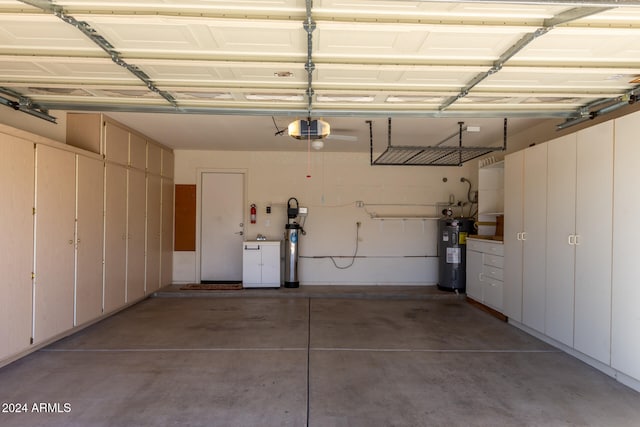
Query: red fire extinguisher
point(253, 213)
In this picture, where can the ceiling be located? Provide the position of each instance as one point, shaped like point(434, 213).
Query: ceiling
point(213, 74)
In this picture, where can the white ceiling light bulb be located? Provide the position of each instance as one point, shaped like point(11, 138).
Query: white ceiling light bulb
point(317, 144)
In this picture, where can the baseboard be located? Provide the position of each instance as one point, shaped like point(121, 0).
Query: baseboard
point(602, 367)
point(487, 309)
point(35, 347)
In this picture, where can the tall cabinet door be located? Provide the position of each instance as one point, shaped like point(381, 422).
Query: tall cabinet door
point(167, 232)
point(154, 190)
point(513, 213)
point(89, 239)
point(474, 286)
point(16, 244)
point(560, 249)
point(535, 228)
point(115, 252)
point(594, 205)
point(55, 234)
point(136, 203)
point(625, 326)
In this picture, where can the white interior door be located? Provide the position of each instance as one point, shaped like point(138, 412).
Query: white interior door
point(222, 224)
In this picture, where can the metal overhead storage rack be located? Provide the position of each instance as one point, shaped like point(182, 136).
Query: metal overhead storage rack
point(436, 155)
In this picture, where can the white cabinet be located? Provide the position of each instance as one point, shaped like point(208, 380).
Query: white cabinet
point(136, 207)
point(137, 152)
point(167, 163)
point(625, 326)
point(587, 301)
point(16, 245)
point(594, 224)
point(166, 244)
point(116, 143)
point(474, 286)
point(490, 197)
point(55, 204)
point(139, 158)
point(513, 226)
point(154, 159)
point(154, 206)
point(261, 264)
point(80, 233)
point(534, 237)
point(560, 245)
point(115, 260)
point(89, 239)
point(578, 253)
point(485, 276)
point(525, 235)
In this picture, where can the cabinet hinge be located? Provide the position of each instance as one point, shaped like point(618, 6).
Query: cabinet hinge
point(31, 340)
point(34, 211)
point(33, 275)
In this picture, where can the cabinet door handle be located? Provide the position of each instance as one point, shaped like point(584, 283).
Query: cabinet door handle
point(571, 240)
point(576, 239)
point(524, 235)
point(518, 236)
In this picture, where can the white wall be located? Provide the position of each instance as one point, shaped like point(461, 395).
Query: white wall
point(396, 250)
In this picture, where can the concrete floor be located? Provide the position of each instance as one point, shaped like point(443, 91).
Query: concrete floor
point(272, 358)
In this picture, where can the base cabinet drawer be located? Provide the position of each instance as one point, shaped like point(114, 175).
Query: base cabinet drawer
point(485, 274)
point(493, 260)
point(491, 247)
point(493, 294)
point(491, 272)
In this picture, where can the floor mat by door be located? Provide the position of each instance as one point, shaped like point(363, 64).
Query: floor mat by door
point(212, 287)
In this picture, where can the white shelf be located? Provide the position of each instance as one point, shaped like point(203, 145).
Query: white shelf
point(404, 217)
point(490, 195)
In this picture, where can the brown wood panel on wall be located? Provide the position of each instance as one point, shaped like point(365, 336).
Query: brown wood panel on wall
point(185, 218)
